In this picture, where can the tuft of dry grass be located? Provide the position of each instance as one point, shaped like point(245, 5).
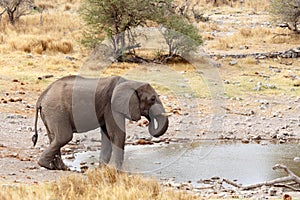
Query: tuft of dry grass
point(41, 45)
point(101, 183)
point(262, 37)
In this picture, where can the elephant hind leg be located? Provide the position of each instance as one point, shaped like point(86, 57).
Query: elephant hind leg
point(51, 157)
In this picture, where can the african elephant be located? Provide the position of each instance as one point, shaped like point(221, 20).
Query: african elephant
point(74, 104)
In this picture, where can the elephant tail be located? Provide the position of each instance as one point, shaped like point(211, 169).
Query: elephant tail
point(35, 136)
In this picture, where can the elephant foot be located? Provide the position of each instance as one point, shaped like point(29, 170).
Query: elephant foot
point(55, 164)
point(46, 164)
point(59, 164)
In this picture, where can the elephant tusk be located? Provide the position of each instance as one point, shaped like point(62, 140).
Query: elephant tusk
point(166, 114)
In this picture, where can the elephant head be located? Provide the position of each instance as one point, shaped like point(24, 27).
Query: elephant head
point(135, 99)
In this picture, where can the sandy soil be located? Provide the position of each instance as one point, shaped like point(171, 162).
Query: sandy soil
point(255, 119)
point(252, 118)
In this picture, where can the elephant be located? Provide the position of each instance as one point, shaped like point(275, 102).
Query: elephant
point(74, 104)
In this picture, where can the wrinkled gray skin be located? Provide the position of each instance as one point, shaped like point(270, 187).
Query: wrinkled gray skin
point(74, 104)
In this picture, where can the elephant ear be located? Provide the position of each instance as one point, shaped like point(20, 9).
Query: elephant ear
point(125, 100)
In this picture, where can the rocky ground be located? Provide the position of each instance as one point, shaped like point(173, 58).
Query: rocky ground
point(254, 119)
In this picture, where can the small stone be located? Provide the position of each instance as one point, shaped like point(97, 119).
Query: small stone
point(245, 140)
point(282, 141)
point(297, 159)
point(29, 55)
point(226, 82)
point(233, 62)
point(257, 137)
point(272, 191)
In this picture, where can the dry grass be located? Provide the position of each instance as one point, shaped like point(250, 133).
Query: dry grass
point(104, 183)
point(276, 77)
point(263, 39)
point(257, 5)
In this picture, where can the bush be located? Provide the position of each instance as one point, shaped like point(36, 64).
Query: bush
point(180, 36)
point(286, 11)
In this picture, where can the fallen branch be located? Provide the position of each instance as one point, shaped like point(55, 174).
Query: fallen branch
point(229, 111)
point(45, 77)
point(288, 186)
point(291, 177)
point(231, 183)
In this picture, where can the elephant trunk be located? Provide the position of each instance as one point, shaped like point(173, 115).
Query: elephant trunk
point(158, 121)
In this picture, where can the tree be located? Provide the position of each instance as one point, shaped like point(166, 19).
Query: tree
point(180, 36)
point(115, 19)
point(16, 8)
point(286, 11)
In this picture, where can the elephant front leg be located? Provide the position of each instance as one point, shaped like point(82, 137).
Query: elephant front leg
point(118, 143)
point(115, 125)
point(118, 150)
point(106, 148)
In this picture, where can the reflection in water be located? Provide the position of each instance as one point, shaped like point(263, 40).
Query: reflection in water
point(248, 163)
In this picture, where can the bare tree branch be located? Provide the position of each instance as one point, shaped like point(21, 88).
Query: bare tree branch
point(290, 178)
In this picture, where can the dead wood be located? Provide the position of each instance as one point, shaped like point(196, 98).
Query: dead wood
point(229, 111)
point(45, 77)
point(231, 183)
point(291, 177)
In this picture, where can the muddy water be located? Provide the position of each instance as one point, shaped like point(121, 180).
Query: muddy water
point(246, 163)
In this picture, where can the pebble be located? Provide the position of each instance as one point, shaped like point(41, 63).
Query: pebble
point(272, 191)
point(15, 116)
point(233, 62)
point(297, 159)
point(226, 82)
point(245, 140)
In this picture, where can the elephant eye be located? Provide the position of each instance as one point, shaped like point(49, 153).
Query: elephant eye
point(153, 98)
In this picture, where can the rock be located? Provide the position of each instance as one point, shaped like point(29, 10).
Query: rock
point(143, 142)
point(70, 157)
point(70, 58)
point(29, 55)
point(287, 197)
point(245, 140)
point(15, 116)
point(272, 191)
point(258, 86)
point(233, 62)
point(226, 82)
point(297, 159)
point(282, 141)
point(256, 137)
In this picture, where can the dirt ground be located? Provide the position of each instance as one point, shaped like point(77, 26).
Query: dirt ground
point(257, 117)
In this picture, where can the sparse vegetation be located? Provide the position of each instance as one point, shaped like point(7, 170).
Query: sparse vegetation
point(104, 183)
point(30, 49)
point(288, 12)
point(180, 36)
point(16, 9)
point(116, 19)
